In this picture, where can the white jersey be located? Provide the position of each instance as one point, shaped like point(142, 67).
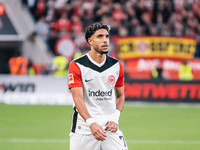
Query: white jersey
point(98, 82)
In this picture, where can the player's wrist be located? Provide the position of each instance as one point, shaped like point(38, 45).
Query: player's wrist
point(115, 117)
point(90, 121)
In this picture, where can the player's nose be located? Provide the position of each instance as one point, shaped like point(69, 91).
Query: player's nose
point(105, 39)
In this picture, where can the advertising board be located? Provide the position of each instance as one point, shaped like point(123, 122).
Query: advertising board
point(162, 91)
point(36, 90)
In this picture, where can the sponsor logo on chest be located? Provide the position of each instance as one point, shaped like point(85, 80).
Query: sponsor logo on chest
point(100, 95)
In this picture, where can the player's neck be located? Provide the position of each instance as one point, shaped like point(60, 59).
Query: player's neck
point(99, 58)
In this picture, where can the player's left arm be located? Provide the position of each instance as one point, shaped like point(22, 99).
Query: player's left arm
point(120, 98)
point(112, 125)
point(119, 89)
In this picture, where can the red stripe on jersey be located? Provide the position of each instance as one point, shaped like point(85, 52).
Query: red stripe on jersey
point(120, 81)
point(74, 78)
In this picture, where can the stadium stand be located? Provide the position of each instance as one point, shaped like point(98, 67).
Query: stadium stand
point(16, 27)
point(55, 19)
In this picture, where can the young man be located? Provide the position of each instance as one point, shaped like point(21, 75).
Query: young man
point(96, 81)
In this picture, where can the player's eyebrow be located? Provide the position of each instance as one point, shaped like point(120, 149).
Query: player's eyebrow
point(100, 35)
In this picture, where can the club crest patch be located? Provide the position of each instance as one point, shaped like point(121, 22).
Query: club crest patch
point(111, 79)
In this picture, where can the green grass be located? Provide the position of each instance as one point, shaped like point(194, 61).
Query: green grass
point(148, 127)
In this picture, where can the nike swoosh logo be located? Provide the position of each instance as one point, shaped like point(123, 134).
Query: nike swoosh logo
point(88, 80)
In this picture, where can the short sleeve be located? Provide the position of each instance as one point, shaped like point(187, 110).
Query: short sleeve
point(74, 77)
point(120, 81)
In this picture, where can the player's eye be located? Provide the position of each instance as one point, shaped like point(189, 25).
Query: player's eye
point(100, 35)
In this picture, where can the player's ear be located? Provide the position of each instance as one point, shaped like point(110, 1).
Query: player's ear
point(90, 41)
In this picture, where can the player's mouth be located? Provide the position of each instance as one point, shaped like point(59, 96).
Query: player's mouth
point(105, 46)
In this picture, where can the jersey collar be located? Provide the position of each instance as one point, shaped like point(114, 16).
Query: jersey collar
point(94, 62)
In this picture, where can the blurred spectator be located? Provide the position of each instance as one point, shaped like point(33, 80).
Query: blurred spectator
point(51, 42)
point(107, 19)
point(82, 45)
point(147, 24)
point(63, 23)
point(63, 9)
point(59, 3)
point(18, 65)
point(50, 12)
point(165, 30)
point(87, 13)
point(134, 27)
point(77, 25)
point(185, 71)
point(87, 4)
point(115, 28)
point(118, 13)
point(40, 9)
point(76, 10)
point(123, 31)
point(101, 10)
point(157, 73)
point(59, 66)
point(129, 11)
point(52, 23)
point(31, 70)
point(42, 28)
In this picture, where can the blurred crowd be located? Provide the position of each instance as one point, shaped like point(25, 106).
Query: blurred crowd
point(56, 18)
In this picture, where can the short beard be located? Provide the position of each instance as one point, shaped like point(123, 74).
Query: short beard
point(101, 52)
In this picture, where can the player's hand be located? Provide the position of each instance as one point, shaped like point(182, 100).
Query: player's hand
point(98, 132)
point(111, 126)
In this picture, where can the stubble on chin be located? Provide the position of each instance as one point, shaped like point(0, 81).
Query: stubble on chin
point(101, 51)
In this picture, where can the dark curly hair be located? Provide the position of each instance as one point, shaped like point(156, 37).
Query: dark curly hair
point(94, 27)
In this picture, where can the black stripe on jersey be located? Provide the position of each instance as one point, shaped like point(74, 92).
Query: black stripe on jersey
point(87, 63)
point(75, 116)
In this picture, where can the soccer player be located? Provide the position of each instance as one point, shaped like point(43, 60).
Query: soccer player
point(96, 81)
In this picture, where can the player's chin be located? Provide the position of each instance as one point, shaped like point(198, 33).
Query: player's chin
point(104, 52)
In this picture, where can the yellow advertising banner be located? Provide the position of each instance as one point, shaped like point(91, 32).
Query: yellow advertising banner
point(166, 47)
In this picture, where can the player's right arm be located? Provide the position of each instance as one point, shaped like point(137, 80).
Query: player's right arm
point(97, 131)
point(75, 84)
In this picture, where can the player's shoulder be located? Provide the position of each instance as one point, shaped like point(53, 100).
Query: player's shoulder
point(79, 60)
point(111, 60)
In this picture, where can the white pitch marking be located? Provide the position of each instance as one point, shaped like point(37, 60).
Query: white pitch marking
point(24, 140)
